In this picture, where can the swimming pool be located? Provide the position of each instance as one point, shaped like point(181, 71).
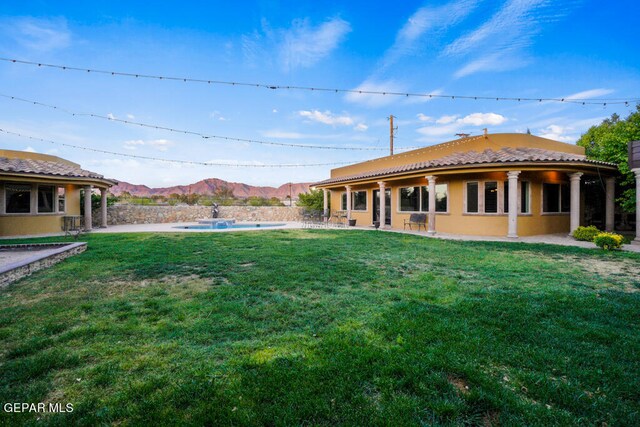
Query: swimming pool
point(224, 226)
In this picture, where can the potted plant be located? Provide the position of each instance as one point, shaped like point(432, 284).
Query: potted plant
point(352, 222)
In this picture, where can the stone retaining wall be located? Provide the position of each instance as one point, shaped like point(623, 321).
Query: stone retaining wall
point(138, 214)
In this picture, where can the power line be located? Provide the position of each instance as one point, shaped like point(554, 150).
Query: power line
point(188, 132)
point(189, 162)
point(584, 101)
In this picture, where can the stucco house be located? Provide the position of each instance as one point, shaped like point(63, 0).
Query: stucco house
point(492, 185)
point(38, 191)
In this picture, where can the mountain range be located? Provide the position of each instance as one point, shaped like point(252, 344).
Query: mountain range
point(210, 185)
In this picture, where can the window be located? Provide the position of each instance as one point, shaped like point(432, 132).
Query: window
point(565, 198)
point(524, 196)
point(491, 197)
point(555, 198)
point(472, 197)
point(61, 199)
point(46, 198)
point(416, 199)
point(359, 200)
point(410, 199)
point(17, 198)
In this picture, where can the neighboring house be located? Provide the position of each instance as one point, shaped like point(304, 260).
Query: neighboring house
point(37, 191)
point(490, 185)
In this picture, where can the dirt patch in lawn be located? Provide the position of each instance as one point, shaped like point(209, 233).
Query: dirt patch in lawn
point(618, 274)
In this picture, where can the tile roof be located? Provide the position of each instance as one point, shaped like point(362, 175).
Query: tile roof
point(43, 167)
point(470, 158)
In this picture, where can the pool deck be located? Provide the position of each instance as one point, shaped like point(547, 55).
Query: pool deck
point(552, 239)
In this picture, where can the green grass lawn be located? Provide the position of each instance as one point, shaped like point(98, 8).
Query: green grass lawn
point(321, 327)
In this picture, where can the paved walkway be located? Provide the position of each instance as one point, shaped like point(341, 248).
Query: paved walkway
point(552, 239)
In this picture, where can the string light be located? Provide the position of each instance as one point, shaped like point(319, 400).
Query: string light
point(583, 101)
point(189, 162)
point(188, 132)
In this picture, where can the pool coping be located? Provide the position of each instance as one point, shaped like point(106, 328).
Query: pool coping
point(42, 259)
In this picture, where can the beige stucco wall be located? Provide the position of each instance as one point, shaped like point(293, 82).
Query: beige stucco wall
point(455, 221)
point(30, 224)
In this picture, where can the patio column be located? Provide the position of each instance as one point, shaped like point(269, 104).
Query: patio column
point(575, 201)
point(432, 204)
point(325, 199)
point(636, 241)
point(382, 214)
point(610, 192)
point(513, 203)
point(103, 208)
point(348, 187)
point(87, 208)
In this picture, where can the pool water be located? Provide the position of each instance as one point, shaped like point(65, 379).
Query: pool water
point(224, 226)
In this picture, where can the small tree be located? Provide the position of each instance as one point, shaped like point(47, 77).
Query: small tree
point(608, 142)
point(314, 200)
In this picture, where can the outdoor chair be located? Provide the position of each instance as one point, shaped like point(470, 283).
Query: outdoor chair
point(418, 219)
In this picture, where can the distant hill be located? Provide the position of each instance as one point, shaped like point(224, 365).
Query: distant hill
point(210, 185)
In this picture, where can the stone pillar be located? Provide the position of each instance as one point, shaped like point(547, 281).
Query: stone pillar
point(636, 241)
point(87, 208)
point(575, 201)
point(348, 187)
point(513, 203)
point(432, 204)
point(325, 199)
point(103, 208)
point(383, 206)
point(610, 194)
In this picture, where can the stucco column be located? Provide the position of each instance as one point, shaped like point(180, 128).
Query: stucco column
point(513, 203)
point(103, 208)
point(87, 208)
point(348, 187)
point(636, 241)
point(432, 204)
point(383, 206)
point(325, 200)
point(610, 192)
point(575, 201)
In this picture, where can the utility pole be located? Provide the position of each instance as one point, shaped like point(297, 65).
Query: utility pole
point(391, 132)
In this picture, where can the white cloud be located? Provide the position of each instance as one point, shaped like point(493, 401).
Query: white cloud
point(274, 111)
point(558, 133)
point(133, 144)
point(424, 118)
point(328, 118)
point(361, 127)
point(38, 34)
point(111, 116)
point(375, 100)
point(217, 116)
point(30, 149)
point(426, 20)
point(304, 45)
point(452, 124)
point(158, 144)
point(446, 119)
point(499, 43)
point(278, 134)
point(130, 116)
point(592, 93)
point(481, 119)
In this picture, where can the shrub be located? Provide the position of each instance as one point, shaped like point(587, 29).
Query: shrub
point(608, 241)
point(586, 233)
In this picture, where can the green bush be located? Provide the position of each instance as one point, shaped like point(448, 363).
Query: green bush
point(609, 241)
point(586, 233)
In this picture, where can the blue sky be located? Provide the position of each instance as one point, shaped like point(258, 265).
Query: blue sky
point(514, 48)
